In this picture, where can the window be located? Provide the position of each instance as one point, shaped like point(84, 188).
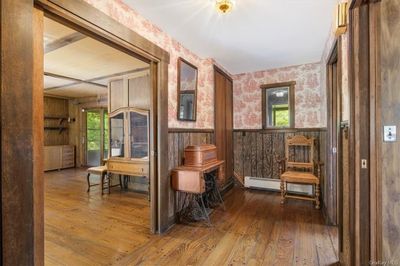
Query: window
point(97, 140)
point(278, 105)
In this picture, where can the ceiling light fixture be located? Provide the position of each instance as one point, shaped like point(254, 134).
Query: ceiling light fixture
point(224, 6)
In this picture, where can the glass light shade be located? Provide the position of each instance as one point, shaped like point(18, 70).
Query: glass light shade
point(224, 6)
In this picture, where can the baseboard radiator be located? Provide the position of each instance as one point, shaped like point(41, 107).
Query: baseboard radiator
point(274, 185)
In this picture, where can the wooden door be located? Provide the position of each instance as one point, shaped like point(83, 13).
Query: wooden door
point(224, 121)
point(220, 140)
point(228, 129)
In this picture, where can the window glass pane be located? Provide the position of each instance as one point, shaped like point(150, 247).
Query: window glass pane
point(278, 107)
point(139, 135)
point(117, 135)
point(106, 137)
point(93, 122)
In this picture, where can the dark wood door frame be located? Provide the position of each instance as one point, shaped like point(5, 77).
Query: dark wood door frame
point(364, 132)
point(334, 88)
point(21, 113)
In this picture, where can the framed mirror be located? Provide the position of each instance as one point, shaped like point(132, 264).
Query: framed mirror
point(187, 90)
point(278, 105)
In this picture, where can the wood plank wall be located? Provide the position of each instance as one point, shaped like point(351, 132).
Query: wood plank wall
point(254, 152)
point(178, 139)
point(389, 152)
point(59, 108)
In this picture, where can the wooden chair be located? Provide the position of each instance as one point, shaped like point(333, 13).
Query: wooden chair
point(293, 171)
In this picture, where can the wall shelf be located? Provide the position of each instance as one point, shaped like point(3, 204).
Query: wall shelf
point(60, 129)
point(60, 119)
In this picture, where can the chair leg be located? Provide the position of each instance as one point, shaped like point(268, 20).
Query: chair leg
point(120, 182)
point(88, 182)
point(282, 192)
point(317, 202)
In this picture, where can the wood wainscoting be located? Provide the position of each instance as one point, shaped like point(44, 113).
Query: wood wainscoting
point(178, 140)
point(254, 153)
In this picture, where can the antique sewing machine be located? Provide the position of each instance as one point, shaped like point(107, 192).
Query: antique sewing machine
point(201, 176)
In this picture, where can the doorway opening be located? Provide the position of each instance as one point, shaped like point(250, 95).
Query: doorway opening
point(88, 87)
point(97, 144)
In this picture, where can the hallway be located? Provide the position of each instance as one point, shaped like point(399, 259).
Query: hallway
point(88, 229)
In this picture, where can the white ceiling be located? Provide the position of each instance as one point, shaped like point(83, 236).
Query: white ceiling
point(256, 35)
point(71, 67)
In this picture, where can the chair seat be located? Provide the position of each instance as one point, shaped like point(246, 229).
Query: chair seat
point(299, 177)
point(97, 170)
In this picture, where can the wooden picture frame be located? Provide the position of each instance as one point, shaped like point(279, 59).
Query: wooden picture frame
point(187, 86)
point(291, 102)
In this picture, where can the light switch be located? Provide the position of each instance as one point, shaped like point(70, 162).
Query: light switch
point(389, 133)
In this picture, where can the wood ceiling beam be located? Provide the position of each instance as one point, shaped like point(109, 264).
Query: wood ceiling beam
point(91, 81)
point(64, 41)
point(76, 81)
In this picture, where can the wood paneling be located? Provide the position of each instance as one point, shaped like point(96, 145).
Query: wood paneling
point(55, 107)
point(255, 152)
point(389, 156)
point(38, 138)
point(21, 134)
point(178, 140)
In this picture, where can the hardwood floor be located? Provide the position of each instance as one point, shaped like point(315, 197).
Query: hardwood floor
point(88, 229)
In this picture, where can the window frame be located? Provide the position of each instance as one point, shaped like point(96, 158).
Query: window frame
point(291, 104)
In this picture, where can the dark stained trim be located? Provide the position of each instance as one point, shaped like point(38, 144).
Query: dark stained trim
point(279, 84)
point(292, 100)
point(64, 41)
point(222, 72)
point(21, 135)
point(190, 130)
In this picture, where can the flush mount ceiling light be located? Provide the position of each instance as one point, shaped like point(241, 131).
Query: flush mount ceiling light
point(224, 6)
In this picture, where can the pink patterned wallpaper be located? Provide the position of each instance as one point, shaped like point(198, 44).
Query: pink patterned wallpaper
point(308, 100)
point(205, 94)
point(247, 95)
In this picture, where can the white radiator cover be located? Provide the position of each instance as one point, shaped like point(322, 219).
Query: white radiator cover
point(274, 184)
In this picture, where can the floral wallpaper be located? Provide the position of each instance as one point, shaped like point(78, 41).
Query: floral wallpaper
point(308, 99)
point(345, 67)
point(205, 94)
point(247, 95)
